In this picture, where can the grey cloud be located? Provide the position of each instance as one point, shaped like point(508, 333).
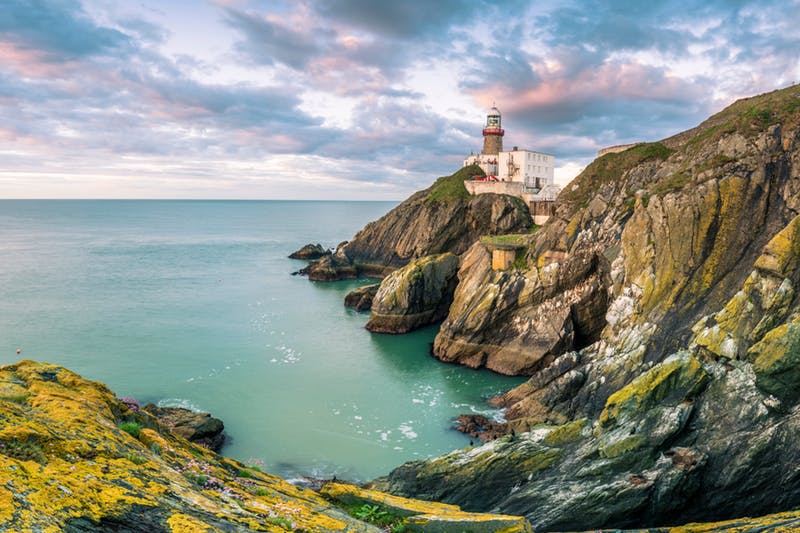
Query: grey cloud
point(268, 43)
point(59, 28)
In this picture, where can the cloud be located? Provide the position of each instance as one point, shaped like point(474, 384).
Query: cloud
point(60, 29)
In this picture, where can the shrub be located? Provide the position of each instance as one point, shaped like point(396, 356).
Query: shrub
point(135, 458)
point(132, 428)
point(380, 516)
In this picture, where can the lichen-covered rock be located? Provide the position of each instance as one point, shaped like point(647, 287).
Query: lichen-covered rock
point(659, 306)
point(361, 298)
point(75, 458)
point(309, 252)
point(416, 295)
point(776, 362)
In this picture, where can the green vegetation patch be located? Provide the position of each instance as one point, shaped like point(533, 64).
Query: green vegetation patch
point(448, 189)
point(611, 167)
point(675, 182)
point(24, 450)
point(15, 398)
point(379, 516)
point(131, 428)
point(750, 116)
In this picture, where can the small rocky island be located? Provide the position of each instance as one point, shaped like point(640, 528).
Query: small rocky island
point(655, 313)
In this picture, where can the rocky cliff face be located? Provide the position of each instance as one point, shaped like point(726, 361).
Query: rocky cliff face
point(442, 218)
point(658, 318)
point(414, 296)
point(74, 458)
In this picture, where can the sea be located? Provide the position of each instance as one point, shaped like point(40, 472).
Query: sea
point(193, 304)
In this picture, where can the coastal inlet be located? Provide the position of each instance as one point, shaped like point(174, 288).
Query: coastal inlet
point(191, 304)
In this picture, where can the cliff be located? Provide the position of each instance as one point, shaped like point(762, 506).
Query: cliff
point(75, 458)
point(657, 316)
point(442, 218)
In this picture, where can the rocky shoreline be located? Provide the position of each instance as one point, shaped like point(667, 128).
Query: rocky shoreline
point(659, 337)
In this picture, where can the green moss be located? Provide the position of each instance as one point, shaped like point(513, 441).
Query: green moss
point(675, 182)
point(15, 398)
point(715, 161)
point(621, 447)
point(448, 189)
point(136, 458)
point(566, 434)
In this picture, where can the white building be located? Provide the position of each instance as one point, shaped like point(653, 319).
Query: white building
point(526, 174)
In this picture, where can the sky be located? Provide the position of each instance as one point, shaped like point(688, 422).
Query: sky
point(356, 99)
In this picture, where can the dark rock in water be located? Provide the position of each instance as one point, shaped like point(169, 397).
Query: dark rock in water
point(309, 252)
point(332, 267)
point(416, 295)
point(201, 428)
point(480, 427)
point(361, 298)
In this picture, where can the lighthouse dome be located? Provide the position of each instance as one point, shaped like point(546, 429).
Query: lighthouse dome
point(494, 111)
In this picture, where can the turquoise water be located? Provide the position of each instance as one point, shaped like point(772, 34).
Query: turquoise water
point(191, 303)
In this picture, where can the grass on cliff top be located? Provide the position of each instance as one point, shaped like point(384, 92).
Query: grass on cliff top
point(747, 116)
point(611, 167)
point(451, 188)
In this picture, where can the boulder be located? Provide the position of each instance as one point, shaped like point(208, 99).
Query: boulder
point(361, 298)
point(200, 428)
point(416, 295)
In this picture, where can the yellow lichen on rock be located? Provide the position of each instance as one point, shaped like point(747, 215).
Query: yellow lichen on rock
point(181, 523)
point(679, 374)
point(427, 516)
point(66, 464)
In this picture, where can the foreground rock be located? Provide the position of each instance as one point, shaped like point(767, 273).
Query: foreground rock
point(657, 315)
point(75, 458)
point(416, 295)
point(200, 428)
point(361, 298)
point(442, 218)
point(309, 252)
point(427, 516)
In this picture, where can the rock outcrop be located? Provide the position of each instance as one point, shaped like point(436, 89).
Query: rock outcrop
point(361, 298)
point(200, 428)
point(74, 458)
point(658, 317)
point(309, 252)
point(416, 295)
point(442, 218)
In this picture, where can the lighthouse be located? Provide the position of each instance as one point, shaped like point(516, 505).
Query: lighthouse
point(493, 133)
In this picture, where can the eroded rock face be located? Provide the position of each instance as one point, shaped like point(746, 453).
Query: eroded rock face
point(657, 317)
point(416, 295)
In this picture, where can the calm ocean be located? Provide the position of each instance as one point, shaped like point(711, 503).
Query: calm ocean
point(191, 303)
